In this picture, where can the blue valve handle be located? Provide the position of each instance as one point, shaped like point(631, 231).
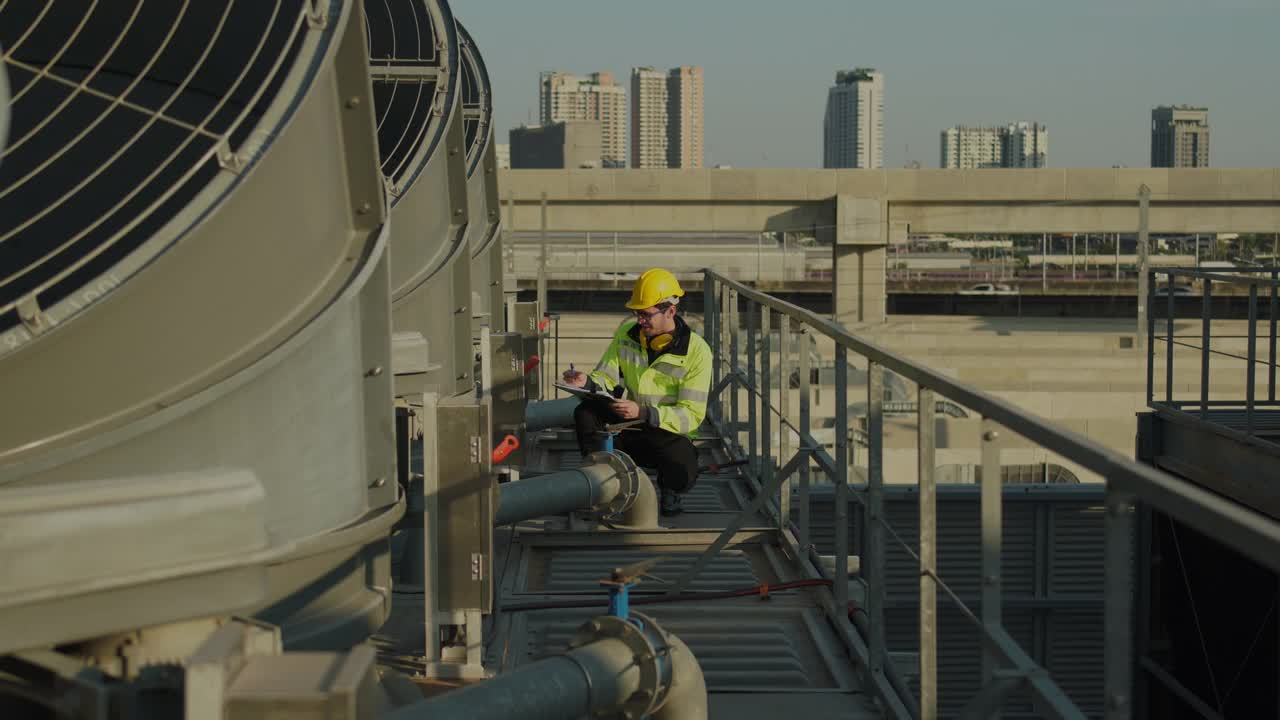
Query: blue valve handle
point(620, 599)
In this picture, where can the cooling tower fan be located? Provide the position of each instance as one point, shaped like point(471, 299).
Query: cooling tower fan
point(194, 327)
point(414, 65)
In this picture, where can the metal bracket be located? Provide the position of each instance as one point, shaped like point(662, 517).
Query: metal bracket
point(317, 14)
point(32, 316)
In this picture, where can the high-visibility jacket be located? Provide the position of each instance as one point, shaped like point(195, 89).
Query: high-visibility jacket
point(676, 384)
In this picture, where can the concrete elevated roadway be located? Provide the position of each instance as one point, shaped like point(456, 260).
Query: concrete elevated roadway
point(862, 211)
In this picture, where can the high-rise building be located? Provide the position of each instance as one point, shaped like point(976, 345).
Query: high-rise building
point(853, 126)
point(562, 96)
point(648, 118)
point(1025, 145)
point(502, 155)
point(564, 144)
point(1179, 136)
point(1018, 145)
point(971, 147)
point(684, 117)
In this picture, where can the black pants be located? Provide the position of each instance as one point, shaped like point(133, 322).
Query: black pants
point(673, 455)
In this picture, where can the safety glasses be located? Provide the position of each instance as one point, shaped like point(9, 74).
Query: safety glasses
point(646, 315)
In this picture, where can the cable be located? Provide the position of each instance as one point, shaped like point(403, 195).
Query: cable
point(764, 590)
point(1195, 616)
point(1226, 697)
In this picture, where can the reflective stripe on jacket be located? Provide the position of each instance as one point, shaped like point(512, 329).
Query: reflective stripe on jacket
point(677, 383)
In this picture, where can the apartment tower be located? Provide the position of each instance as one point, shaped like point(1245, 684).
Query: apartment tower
point(684, 117)
point(853, 126)
point(648, 118)
point(1179, 136)
point(565, 97)
point(1017, 145)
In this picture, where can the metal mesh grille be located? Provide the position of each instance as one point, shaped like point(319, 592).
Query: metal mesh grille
point(121, 112)
point(412, 51)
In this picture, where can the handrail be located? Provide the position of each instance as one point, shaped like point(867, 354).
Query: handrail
point(1006, 666)
point(1250, 532)
point(1247, 277)
point(1225, 275)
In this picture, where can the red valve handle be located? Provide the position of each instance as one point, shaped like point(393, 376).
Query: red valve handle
point(531, 363)
point(508, 445)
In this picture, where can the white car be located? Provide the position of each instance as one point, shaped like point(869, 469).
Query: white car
point(989, 289)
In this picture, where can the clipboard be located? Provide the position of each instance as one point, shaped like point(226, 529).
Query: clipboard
point(587, 395)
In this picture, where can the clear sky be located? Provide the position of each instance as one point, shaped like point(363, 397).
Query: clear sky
point(1091, 70)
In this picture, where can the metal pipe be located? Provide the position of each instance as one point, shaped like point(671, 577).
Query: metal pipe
point(552, 494)
point(613, 668)
point(608, 481)
point(549, 414)
point(601, 674)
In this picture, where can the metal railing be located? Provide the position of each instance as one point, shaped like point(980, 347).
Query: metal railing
point(733, 310)
point(1246, 411)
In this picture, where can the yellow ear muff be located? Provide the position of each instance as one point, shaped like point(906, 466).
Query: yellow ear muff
point(659, 343)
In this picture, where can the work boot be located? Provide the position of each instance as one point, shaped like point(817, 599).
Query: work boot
point(670, 503)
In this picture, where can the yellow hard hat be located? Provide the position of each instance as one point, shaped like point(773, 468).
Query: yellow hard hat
point(654, 285)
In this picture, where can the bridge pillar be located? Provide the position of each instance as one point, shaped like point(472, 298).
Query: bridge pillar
point(859, 242)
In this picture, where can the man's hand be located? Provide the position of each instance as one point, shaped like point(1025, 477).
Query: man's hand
point(576, 378)
point(625, 409)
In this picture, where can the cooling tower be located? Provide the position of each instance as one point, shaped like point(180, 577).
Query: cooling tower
point(483, 234)
point(414, 63)
point(194, 321)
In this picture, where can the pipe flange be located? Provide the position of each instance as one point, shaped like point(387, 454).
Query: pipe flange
point(651, 653)
point(628, 474)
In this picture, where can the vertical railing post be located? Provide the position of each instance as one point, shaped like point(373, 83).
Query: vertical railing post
point(841, 479)
point(928, 557)
point(806, 432)
point(710, 324)
point(1271, 346)
point(1117, 624)
point(992, 539)
point(766, 399)
point(730, 387)
point(787, 419)
point(735, 334)
point(753, 398)
point(555, 351)
point(1144, 250)
point(1206, 316)
point(1253, 356)
point(1150, 332)
point(875, 551)
point(542, 298)
point(1168, 345)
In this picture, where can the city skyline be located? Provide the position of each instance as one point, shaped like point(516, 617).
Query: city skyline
point(1094, 79)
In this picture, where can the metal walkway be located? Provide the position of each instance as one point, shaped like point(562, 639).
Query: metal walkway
point(762, 656)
